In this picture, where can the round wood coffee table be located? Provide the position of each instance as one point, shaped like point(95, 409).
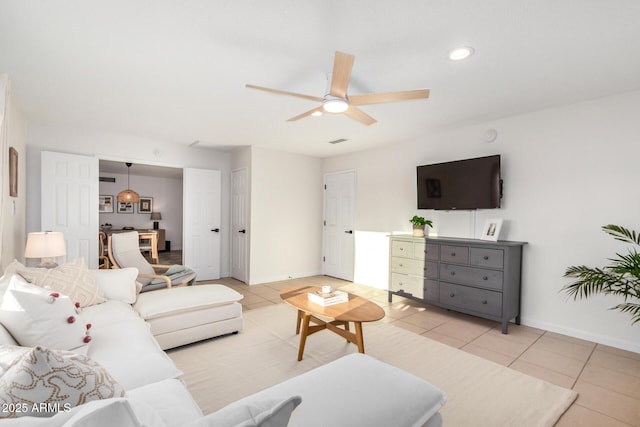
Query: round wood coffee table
point(356, 310)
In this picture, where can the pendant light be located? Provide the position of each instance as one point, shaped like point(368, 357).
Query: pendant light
point(128, 195)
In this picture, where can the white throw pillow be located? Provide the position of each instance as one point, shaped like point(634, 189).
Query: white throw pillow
point(269, 412)
point(44, 382)
point(72, 279)
point(37, 316)
point(117, 284)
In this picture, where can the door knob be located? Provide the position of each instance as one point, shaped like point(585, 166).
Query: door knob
point(349, 231)
point(216, 230)
point(242, 231)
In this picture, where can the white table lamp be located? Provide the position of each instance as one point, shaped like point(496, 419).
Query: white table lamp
point(46, 245)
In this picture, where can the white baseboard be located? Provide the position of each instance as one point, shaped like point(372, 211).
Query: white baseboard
point(261, 280)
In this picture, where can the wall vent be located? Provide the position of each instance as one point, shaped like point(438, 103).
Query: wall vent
point(338, 141)
point(107, 179)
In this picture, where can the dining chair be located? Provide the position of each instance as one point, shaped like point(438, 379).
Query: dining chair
point(103, 258)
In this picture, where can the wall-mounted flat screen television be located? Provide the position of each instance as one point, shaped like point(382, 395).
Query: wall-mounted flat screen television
point(462, 184)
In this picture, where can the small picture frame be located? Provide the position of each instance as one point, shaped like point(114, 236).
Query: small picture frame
point(105, 205)
point(145, 205)
point(13, 172)
point(125, 207)
point(491, 229)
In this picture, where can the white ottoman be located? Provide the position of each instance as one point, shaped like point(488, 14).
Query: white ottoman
point(184, 315)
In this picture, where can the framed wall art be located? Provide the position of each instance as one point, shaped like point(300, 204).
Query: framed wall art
point(125, 207)
point(105, 205)
point(145, 205)
point(13, 172)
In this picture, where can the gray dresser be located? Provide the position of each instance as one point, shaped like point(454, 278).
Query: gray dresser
point(471, 276)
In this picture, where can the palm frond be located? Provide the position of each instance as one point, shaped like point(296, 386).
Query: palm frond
point(620, 278)
point(622, 234)
point(633, 309)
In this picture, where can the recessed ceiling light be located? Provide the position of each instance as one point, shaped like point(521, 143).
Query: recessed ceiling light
point(461, 53)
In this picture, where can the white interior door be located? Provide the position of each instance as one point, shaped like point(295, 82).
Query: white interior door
point(338, 239)
point(239, 220)
point(69, 186)
point(201, 229)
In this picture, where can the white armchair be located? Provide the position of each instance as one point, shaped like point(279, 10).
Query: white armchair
point(124, 251)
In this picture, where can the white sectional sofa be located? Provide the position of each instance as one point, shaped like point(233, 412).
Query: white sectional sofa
point(134, 383)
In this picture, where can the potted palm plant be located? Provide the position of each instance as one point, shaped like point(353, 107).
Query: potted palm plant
point(419, 224)
point(620, 278)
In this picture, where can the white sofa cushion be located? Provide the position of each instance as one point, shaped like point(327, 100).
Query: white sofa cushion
point(72, 279)
point(171, 400)
point(173, 301)
point(42, 382)
point(268, 412)
point(354, 391)
point(130, 353)
point(110, 313)
point(117, 284)
point(37, 316)
point(119, 412)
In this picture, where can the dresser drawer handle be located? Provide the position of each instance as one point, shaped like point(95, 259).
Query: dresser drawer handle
point(485, 278)
point(453, 273)
point(453, 254)
point(452, 295)
point(400, 265)
point(486, 257)
point(402, 249)
point(484, 301)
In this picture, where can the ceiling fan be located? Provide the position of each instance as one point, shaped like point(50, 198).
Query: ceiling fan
point(337, 101)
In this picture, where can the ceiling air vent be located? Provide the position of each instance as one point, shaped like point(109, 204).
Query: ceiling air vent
point(338, 141)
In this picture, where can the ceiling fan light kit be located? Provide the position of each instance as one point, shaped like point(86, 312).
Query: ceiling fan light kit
point(334, 105)
point(337, 101)
point(460, 53)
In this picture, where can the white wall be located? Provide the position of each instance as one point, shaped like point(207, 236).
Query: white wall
point(112, 146)
point(14, 236)
point(167, 199)
point(286, 215)
point(567, 171)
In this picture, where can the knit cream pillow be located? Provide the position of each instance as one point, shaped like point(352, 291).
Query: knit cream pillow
point(72, 279)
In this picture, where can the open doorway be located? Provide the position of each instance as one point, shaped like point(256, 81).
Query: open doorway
point(161, 192)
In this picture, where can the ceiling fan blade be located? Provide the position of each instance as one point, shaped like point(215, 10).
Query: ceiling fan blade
point(303, 115)
point(283, 92)
point(359, 115)
point(342, 65)
point(379, 98)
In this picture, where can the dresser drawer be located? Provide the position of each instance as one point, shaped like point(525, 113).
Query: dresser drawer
point(492, 258)
point(431, 290)
point(457, 254)
point(402, 248)
point(408, 284)
point(407, 266)
point(491, 279)
point(427, 251)
point(416, 267)
point(471, 299)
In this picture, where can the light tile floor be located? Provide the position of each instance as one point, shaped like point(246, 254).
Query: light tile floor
point(607, 379)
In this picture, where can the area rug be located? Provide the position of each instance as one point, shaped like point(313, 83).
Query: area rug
point(480, 392)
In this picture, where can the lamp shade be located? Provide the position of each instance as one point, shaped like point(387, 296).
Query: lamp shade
point(155, 216)
point(45, 244)
point(128, 196)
